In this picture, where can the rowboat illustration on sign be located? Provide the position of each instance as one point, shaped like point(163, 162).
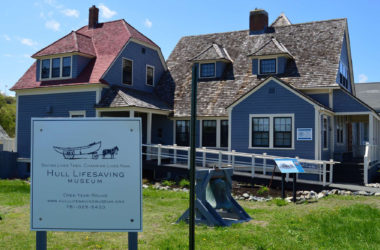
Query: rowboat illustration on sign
point(78, 152)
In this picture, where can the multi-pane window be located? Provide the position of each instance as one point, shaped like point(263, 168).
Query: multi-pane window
point(45, 69)
point(127, 71)
point(267, 66)
point(182, 129)
point(209, 133)
point(59, 67)
point(282, 132)
point(339, 129)
point(343, 74)
point(149, 75)
point(260, 132)
point(66, 66)
point(325, 138)
point(56, 67)
point(207, 70)
point(224, 133)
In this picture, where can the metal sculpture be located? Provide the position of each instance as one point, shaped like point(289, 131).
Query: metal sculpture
point(214, 204)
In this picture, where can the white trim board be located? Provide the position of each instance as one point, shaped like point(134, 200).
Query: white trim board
point(77, 112)
point(61, 89)
point(138, 109)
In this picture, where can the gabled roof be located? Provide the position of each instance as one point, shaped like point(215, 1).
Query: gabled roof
point(369, 93)
point(213, 52)
point(281, 20)
point(116, 97)
point(73, 42)
point(105, 42)
point(272, 47)
point(315, 46)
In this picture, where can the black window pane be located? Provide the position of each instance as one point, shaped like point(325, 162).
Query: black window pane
point(127, 71)
point(224, 133)
point(182, 133)
point(209, 133)
point(56, 67)
point(267, 66)
point(282, 132)
point(45, 68)
point(208, 70)
point(66, 66)
point(149, 75)
point(260, 132)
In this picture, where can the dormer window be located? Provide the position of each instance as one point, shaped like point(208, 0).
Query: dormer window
point(267, 66)
point(56, 68)
point(207, 70)
point(343, 75)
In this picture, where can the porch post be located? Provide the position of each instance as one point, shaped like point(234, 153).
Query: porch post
point(149, 134)
point(131, 113)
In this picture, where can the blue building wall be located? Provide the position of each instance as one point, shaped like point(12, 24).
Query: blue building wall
point(343, 102)
point(79, 63)
point(344, 58)
point(38, 106)
point(133, 51)
point(282, 101)
point(162, 130)
point(321, 98)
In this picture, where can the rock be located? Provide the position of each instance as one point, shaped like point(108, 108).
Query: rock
point(251, 198)
point(299, 192)
point(313, 194)
point(245, 195)
point(334, 191)
point(377, 194)
point(289, 199)
point(145, 186)
point(308, 196)
point(321, 195)
point(361, 192)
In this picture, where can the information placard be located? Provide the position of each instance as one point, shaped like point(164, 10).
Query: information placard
point(86, 174)
point(289, 166)
point(304, 134)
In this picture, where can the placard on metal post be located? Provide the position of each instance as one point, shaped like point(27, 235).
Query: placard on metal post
point(86, 176)
point(288, 165)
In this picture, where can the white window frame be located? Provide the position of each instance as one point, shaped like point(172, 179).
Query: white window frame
point(60, 71)
point(259, 66)
point(146, 74)
point(77, 112)
point(205, 77)
point(122, 66)
point(325, 120)
point(218, 131)
point(340, 122)
point(271, 131)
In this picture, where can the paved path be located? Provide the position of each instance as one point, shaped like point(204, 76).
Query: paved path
point(352, 187)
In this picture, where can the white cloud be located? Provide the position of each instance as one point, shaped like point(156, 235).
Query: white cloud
point(53, 25)
point(8, 55)
point(54, 4)
point(148, 23)
point(105, 12)
point(26, 55)
point(71, 12)
point(363, 78)
point(6, 37)
point(28, 42)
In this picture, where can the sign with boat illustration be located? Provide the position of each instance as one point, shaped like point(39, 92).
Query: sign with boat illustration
point(86, 174)
point(288, 165)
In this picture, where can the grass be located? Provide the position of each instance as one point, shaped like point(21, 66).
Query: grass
point(337, 222)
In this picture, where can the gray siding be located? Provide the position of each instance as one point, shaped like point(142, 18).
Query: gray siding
point(133, 51)
point(343, 102)
point(282, 101)
point(38, 106)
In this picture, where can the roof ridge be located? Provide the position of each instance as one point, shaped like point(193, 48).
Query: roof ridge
point(140, 33)
point(75, 41)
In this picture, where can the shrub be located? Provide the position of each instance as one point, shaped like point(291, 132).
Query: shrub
point(184, 183)
point(168, 183)
point(263, 190)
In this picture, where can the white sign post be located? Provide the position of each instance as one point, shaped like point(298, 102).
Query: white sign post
point(86, 175)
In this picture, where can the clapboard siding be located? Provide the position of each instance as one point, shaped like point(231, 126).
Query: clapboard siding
point(321, 98)
point(79, 63)
point(133, 51)
point(38, 105)
point(282, 101)
point(343, 102)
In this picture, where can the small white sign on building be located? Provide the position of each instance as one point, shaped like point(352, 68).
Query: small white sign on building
point(304, 134)
point(86, 174)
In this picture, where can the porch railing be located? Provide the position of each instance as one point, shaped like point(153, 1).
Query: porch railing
point(371, 159)
point(248, 164)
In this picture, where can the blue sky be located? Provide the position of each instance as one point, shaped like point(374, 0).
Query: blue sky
point(29, 25)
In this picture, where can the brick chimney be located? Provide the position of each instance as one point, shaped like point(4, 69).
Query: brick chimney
point(93, 17)
point(258, 21)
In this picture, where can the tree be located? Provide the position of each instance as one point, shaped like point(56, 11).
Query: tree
point(8, 114)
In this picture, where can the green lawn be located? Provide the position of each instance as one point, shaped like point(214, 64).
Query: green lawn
point(331, 223)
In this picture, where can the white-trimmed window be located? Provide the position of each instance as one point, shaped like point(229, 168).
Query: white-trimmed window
point(214, 133)
point(127, 71)
point(339, 130)
point(325, 133)
point(274, 131)
point(209, 133)
point(77, 114)
point(149, 75)
point(182, 132)
point(207, 70)
point(268, 66)
point(56, 68)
